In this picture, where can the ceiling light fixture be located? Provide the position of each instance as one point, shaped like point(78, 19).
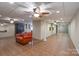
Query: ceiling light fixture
point(40, 12)
point(11, 2)
point(36, 15)
point(57, 11)
point(11, 20)
point(15, 19)
point(2, 24)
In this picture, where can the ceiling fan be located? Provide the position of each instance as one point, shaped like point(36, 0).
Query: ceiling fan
point(39, 13)
point(36, 10)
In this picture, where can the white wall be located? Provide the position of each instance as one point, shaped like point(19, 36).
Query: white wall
point(37, 29)
point(74, 31)
point(45, 29)
point(10, 30)
point(40, 30)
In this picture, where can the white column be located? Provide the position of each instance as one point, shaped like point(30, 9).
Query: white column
point(44, 31)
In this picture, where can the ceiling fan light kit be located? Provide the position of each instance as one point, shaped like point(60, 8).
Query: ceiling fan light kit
point(39, 13)
point(36, 15)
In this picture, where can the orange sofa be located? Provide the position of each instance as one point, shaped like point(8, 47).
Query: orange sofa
point(24, 38)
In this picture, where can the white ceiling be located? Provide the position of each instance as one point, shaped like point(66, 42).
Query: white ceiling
point(19, 9)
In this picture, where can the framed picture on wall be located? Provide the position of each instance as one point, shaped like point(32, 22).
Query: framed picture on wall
point(29, 26)
point(51, 28)
point(26, 26)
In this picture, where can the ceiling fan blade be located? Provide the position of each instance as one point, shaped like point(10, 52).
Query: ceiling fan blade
point(21, 4)
point(30, 4)
point(46, 6)
point(27, 6)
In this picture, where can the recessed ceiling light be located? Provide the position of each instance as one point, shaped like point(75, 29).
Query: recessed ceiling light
point(2, 24)
point(15, 19)
point(11, 21)
point(57, 11)
point(11, 2)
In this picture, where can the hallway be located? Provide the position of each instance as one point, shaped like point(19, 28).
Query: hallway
point(55, 45)
point(62, 44)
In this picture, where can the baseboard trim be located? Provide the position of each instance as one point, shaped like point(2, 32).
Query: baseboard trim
point(74, 44)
